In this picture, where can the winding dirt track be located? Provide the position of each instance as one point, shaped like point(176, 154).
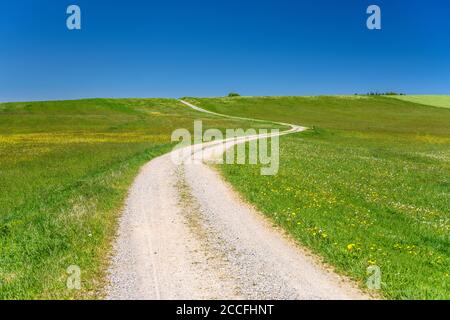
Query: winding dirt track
point(184, 234)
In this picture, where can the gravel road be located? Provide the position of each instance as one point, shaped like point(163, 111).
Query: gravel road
point(185, 234)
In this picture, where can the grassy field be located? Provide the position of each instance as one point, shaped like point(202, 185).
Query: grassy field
point(436, 101)
point(65, 168)
point(368, 185)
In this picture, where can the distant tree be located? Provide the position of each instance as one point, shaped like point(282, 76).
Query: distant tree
point(388, 93)
point(233, 94)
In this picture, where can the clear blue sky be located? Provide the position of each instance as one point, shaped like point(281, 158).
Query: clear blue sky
point(173, 48)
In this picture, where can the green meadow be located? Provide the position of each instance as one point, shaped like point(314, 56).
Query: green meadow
point(436, 101)
point(367, 185)
point(65, 168)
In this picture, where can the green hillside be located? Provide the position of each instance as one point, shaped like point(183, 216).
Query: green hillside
point(368, 185)
point(435, 101)
point(66, 167)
